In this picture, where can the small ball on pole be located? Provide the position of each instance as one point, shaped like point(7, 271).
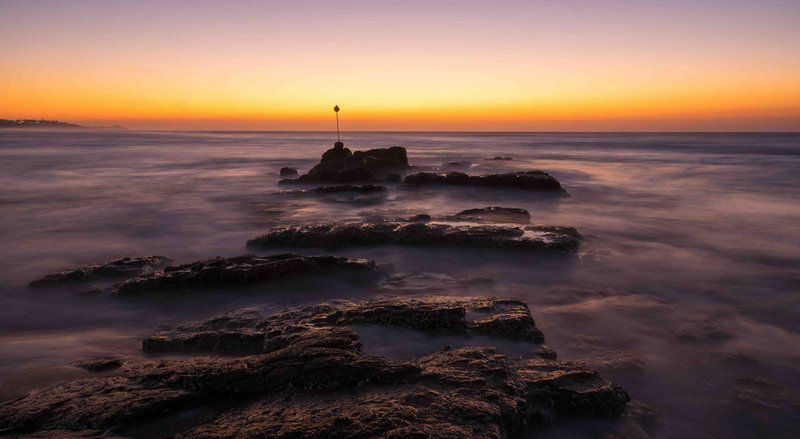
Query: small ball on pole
point(338, 143)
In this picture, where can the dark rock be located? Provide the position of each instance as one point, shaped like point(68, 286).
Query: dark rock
point(336, 154)
point(340, 165)
point(100, 365)
point(245, 271)
point(394, 156)
point(218, 342)
point(311, 380)
point(288, 172)
point(420, 218)
point(499, 158)
point(393, 178)
point(365, 189)
point(420, 234)
point(498, 214)
point(530, 180)
point(114, 270)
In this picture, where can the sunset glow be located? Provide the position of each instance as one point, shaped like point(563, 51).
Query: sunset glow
point(521, 66)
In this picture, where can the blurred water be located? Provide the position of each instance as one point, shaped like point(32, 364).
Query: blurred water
point(686, 290)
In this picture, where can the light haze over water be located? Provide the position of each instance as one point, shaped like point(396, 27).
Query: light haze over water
point(686, 290)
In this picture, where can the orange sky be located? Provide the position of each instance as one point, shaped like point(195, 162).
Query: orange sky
point(516, 66)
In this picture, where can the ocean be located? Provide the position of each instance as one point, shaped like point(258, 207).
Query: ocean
point(686, 289)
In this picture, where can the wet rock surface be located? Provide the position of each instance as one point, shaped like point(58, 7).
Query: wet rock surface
point(114, 270)
point(336, 235)
point(245, 271)
point(340, 165)
point(497, 214)
point(309, 378)
point(529, 180)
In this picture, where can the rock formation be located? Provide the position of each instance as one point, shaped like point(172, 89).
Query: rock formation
point(114, 270)
point(356, 234)
point(530, 180)
point(245, 272)
point(340, 165)
point(308, 377)
point(240, 272)
point(497, 214)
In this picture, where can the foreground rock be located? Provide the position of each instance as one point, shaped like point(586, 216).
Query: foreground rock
point(114, 270)
point(309, 378)
point(340, 165)
point(530, 180)
point(245, 271)
point(336, 235)
point(497, 214)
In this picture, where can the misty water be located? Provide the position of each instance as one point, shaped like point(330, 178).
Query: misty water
point(686, 290)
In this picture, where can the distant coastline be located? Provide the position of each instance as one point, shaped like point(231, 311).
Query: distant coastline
point(47, 124)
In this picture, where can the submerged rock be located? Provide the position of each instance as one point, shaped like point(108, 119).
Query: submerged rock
point(114, 270)
point(245, 271)
point(311, 379)
point(530, 180)
point(288, 172)
point(340, 165)
point(454, 165)
point(338, 235)
point(498, 214)
point(500, 158)
point(99, 365)
point(365, 189)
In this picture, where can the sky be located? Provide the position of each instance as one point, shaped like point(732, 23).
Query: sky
point(567, 65)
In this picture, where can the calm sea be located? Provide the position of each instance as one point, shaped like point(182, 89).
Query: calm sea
point(686, 290)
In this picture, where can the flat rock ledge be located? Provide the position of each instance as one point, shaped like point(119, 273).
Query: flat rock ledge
point(105, 271)
point(308, 377)
point(359, 234)
point(246, 272)
point(530, 180)
point(497, 214)
point(239, 272)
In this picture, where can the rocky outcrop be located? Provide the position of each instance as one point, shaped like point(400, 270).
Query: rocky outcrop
point(245, 271)
point(288, 172)
point(106, 271)
point(530, 180)
point(310, 379)
point(497, 214)
point(336, 235)
point(340, 165)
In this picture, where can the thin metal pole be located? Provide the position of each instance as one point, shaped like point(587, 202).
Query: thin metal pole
point(338, 139)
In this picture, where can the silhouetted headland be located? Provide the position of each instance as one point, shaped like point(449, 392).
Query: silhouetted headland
point(49, 124)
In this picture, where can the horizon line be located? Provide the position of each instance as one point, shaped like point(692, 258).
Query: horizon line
point(109, 129)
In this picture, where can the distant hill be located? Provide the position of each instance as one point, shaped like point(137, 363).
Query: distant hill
point(41, 123)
